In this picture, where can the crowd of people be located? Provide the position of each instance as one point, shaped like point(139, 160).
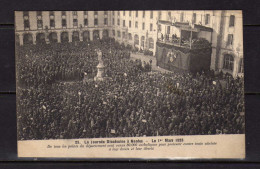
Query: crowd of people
point(54, 103)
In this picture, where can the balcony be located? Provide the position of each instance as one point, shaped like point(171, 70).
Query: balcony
point(184, 35)
point(198, 43)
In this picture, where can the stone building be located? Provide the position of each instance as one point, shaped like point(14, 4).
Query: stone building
point(141, 29)
point(226, 38)
point(138, 28)
point(61, 26)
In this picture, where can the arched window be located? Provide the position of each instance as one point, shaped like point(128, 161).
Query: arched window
point(40, 38)
point(53, 37)
point(64, 37)
point(151, 43)
point(75, 36)
point(105, 34)
point(130, 36)
point(136, 42)
point(142, 41)
point(228, 62)
point(86, 36)
point(96, 34)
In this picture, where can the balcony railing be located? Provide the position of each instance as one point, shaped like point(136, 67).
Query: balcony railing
point(193, 44)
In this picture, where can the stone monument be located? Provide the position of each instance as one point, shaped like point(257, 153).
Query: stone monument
point(100, 67)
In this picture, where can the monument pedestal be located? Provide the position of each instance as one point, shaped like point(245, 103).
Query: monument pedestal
point(100, 73)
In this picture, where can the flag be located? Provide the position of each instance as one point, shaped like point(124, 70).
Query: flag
point(214, 82)
point(44, 107)
point(144, 121)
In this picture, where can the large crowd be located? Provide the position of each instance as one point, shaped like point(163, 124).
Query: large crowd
point(54, 103)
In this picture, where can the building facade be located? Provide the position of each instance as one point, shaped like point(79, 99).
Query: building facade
point(226, 38)
point(140, 29)
point(137, 28)
point(61, 26)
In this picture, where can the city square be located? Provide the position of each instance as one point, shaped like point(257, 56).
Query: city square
point(91, 74)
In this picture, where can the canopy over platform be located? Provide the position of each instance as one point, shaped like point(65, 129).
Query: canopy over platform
point(183, 34)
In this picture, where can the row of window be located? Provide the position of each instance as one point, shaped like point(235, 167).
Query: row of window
point(63, 13)
point(63, 23)
point(136, 13)
point(130, 24)
point(136, 38)
point(194, 16)
point(207, 19)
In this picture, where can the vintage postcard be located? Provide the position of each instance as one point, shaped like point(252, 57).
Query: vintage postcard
point(130, 84)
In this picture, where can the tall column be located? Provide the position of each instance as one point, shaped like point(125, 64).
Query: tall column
point(180, 38)
point(220, 35)
point(140, 41)
point(236, 65)
point(34, 38)
point(80, 35)
point(109, 33)
point(58, 37)
point(154, 46)
point(91, 35)
point(190, 39)
point(21, 39)
point(70, 36)
point(101, 34)
point(47, 40)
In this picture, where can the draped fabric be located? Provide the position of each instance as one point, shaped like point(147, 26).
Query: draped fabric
point(170, 58)
point(177, 58)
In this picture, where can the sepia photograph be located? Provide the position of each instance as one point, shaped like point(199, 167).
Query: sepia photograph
point(130, 74)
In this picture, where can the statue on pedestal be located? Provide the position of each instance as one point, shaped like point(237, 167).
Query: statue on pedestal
point(100, 67)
